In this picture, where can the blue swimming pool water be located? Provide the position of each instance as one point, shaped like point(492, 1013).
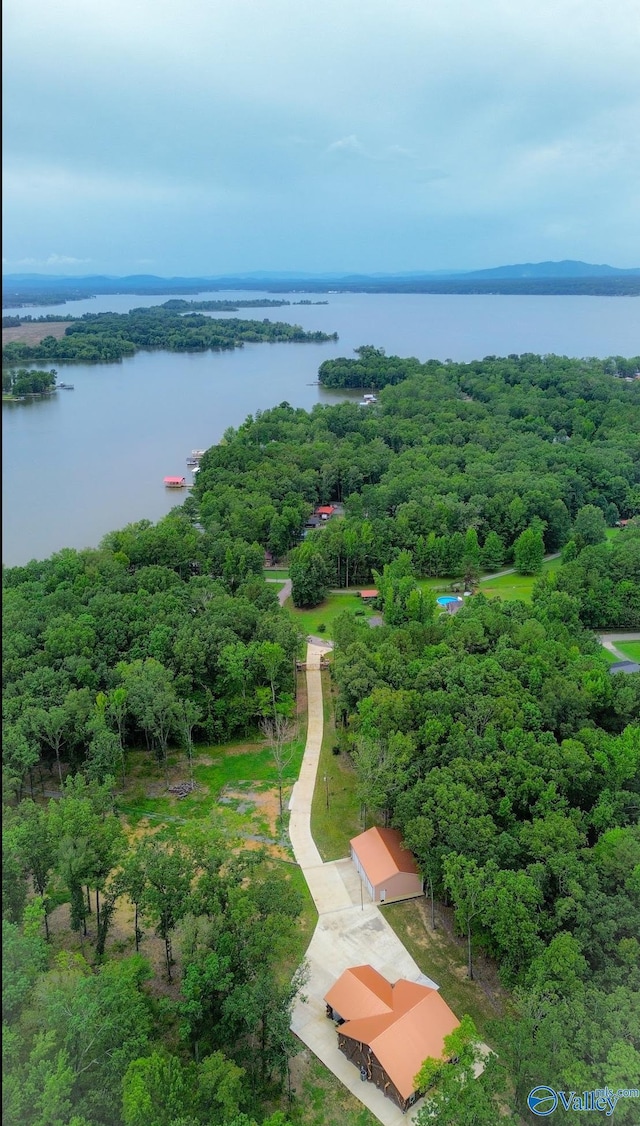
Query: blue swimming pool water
point(446, 599)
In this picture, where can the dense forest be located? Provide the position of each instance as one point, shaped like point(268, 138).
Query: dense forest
point(455, 464)
point(509, 758)
point(496, 740)
point(105, 337)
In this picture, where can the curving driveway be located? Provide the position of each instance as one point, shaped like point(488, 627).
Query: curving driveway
point(607, 640)
point(350, 931)
point(285, 592)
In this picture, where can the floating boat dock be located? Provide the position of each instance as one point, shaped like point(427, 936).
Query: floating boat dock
point(195, 456)
point(176, 483)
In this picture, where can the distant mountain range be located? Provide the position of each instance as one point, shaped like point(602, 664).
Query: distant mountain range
point(530, 277)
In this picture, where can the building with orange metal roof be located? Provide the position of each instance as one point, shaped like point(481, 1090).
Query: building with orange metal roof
point(389, 1030)
point(387, 869)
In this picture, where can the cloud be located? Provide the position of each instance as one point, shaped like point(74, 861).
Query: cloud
point(288, 132)
point(65, 260)
point(349, 145)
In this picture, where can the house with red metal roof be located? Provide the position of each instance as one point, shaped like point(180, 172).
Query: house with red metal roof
point(387, 869)
point(325, 511)
point(388, 1031)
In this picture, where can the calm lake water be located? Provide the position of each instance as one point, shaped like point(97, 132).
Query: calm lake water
point(86, 461)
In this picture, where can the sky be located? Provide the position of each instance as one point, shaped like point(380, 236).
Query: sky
point(207, 137)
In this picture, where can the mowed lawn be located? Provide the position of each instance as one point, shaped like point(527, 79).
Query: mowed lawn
point(320, 619)
point(516, 586)
point(631, 649)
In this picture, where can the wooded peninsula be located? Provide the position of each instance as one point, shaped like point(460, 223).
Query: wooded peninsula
point(106, 337)
point(499, 740)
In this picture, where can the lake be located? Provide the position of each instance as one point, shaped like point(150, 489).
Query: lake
point(90, 460)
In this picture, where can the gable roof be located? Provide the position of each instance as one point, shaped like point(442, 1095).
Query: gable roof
point(382, 854)
point(400, 1034)
point(361, 992)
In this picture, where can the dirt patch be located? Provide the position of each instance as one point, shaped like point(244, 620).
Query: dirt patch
point(265, 805)
point(34, 333)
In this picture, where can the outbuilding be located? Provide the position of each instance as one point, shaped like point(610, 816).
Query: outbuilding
point(388, 1031)
point(623, 666)
point(387, 869)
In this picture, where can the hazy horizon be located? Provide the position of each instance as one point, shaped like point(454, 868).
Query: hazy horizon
point(215, 139)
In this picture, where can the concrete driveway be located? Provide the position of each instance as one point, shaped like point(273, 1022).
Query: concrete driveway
point(285, 592)
point(351, 931)
point(608, 640)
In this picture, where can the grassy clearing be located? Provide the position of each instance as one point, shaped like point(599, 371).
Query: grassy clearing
point(443, 957)
point(310, 621)
point(609, 657)
point(631, 649)
point(276, 573)
point(334, 824)
point(516, 586)
point(320, 1099)
point(234, 781)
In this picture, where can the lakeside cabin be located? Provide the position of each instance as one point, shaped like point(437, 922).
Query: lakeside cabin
point(387, 1030)
point(175, 483)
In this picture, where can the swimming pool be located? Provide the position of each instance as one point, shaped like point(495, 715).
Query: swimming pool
point(446, 599)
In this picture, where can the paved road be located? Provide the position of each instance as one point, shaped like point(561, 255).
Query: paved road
point(608, 641)
point(350, 931)
point(286, 589)
point(512, 570)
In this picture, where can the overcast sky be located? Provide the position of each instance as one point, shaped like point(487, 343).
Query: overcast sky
point(204, 137)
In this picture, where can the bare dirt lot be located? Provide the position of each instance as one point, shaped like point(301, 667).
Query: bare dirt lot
point(34, 333)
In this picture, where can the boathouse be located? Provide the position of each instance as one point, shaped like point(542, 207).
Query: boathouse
point(175, 482)
point(388, 1031)
point(387, 869)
